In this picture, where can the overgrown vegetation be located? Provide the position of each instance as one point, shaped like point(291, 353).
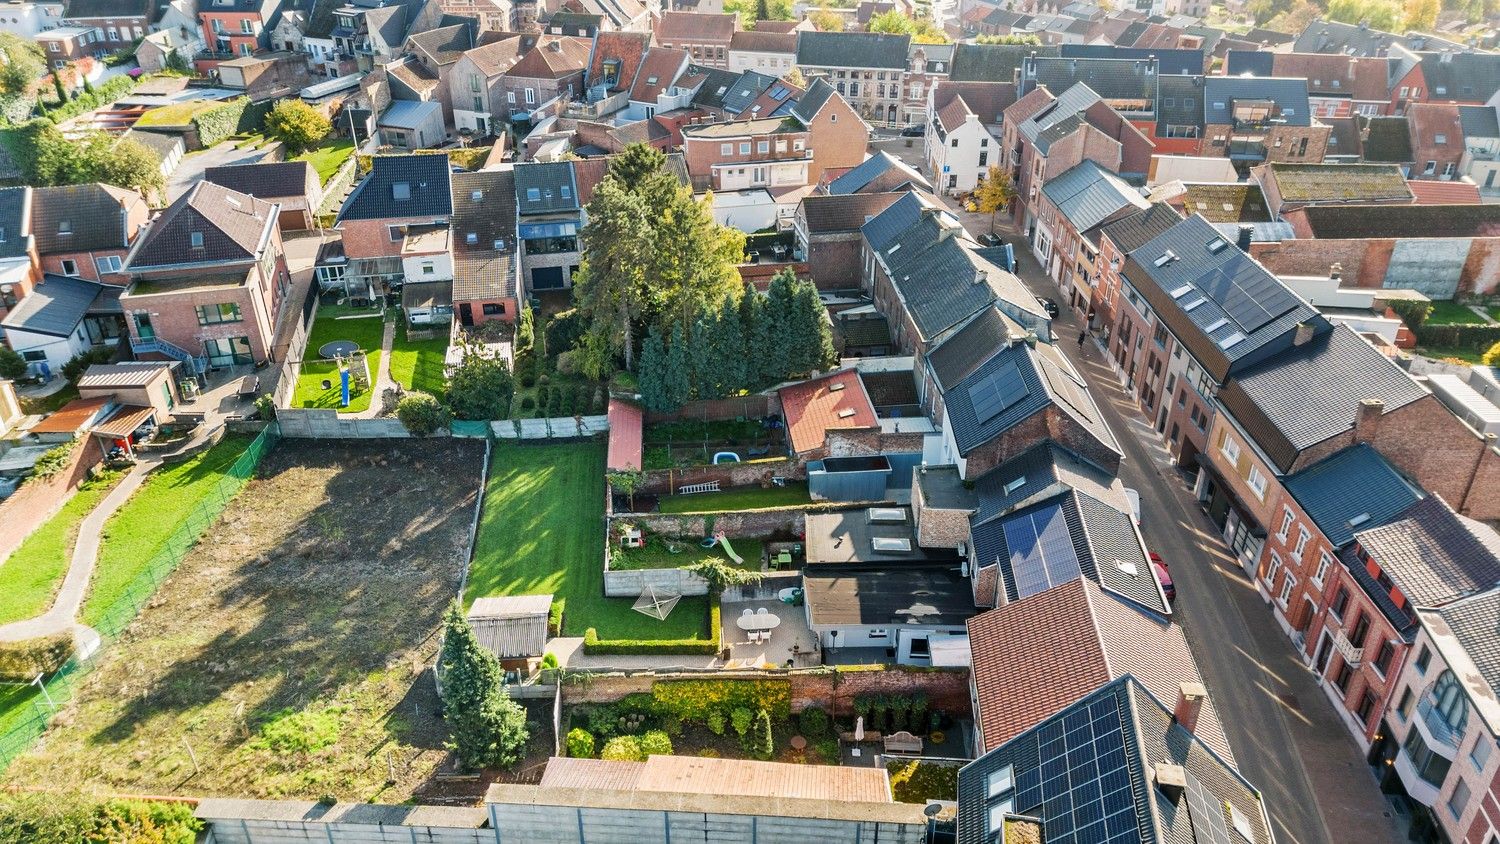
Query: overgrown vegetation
point(917, 781)
point(47, 158)
point(54, 460)
point(422, 414)
point(53, 818)
point(298, 126)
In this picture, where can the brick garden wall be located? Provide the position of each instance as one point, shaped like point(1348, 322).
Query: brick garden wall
point(38, 498)
point(729, 475)
point(717, 409)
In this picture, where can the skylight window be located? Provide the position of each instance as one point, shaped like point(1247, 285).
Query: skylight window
point(890, 544)
point(1015, 484)
point(1216, 245)
point(1128, 568)
point(836, 386)
point(846, 413)
point(1218, 324)
point(1182, 291)
point(533, 194)
point(401, 190)
point(1194, 303)
point(887, 515)
point(1231, 340)
point(196, 238)
point(1359, 520)
point(64, 227)
point(471, 238)
point(567, 191)
point(476, 195)
point(1166, 257)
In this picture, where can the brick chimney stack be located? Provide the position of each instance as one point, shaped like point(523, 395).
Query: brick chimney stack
point(1367, 420)
point(1190, 697)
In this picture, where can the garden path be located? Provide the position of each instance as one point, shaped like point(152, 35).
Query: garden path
point(382, 374)
point(1483, 314)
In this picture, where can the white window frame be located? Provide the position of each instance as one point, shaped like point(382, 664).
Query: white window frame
point(1257, 482)
point(1284, 594)
point(65, 264)
point(726, 149)
point(1324, 562)
point(1302, 539)
point(1478, 759)
point(1286, 524)
point(1230, 449)
point(531, 96)
point(1271, 570)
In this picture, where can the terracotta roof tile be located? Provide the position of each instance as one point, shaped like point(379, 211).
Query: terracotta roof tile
point(1444, 193)
point(817, 406)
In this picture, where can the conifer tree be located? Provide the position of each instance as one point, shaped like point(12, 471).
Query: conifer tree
point(487, 729)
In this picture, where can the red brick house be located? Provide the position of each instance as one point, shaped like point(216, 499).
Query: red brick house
point(120, 24)
point(233, 28)
point(703, 35)
point(20, 267)
point(744, 154)
point(1117, 239)
point(395, 225)
point(85, 231)
point(486, 270)
point(207, 280)
point(1437, 140)
point(836, 134)
point(67, 44)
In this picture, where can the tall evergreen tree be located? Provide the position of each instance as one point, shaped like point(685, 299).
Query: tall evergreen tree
point(610, 285)
point(752, 305)
point(677, 375)
point(774, 330)
point(703, 366)
point(653, 367)
point(638, 163)
point(487, 728)
point(809, 338)
point(728, 348)
point(762, 10)
point(692, 261)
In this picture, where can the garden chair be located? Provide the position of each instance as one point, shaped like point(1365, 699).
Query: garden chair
point(761, 611)
point(747, 613)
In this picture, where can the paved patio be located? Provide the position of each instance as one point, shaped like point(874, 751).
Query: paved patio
point(790, 640)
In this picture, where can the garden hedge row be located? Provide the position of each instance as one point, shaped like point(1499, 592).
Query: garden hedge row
point(1475, 337)
point(217, 124)
point(592, 644)
point(22, 661)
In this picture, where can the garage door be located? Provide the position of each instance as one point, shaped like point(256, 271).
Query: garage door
point(547, 278)
point(293, 220)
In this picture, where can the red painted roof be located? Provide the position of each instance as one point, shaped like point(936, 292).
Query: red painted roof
point(625, 422)
point(72, 416)
point(817, 406)
point(1444, 193)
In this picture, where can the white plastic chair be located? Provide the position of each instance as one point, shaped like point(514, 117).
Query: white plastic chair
point(747, 613)
point(761, 611)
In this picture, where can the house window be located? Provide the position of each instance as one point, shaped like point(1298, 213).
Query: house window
point(64, 227)
point(1431, 767)
point(1366, 706)
point(1459, 799)
point(1440, 139)
point(474, 82)
point(1340, 603)
point(1273, 569)
point(1286, 523)
point(428, 268)
point(215, 314)
point(1302, 537)
point(233, 351)
point(1323, 563)
point(196, 238)
point(395, 233)
point(69, 267)
point(1424, 658)
point(246, 27)
point(1342, 676)
point(34, 356)
point(1403, 708)
point(531, 96)
point(510, 97)
point(1257, 482)
point(1430, 168)
point(1479, 754)
point(1230, 449)
point(1450, 170)
point(1383, 657)
point(744, 147)
point(726, 149)
point(1001, 781)
point(493, 309)
point(1287, 586)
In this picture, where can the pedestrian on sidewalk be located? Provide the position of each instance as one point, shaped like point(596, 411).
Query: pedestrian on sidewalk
point(1082, 335)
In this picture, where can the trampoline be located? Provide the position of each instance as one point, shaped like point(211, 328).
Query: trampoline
point(337, 348)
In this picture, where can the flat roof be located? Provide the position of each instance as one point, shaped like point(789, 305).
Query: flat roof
point(907, 594)
point(867, 535)
point(626, 448)
point(722, 777)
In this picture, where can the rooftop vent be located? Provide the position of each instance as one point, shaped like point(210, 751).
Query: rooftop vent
point(1359, 520)
point(846, 413)
point(836, 386)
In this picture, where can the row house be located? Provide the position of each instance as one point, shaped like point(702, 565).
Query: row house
point(549, 218)
point(1438, 738)
point(880, 173)
point(119, 24)
point(927, 65)
point(491, 15)
point(486, 263)
point(234, 28)
point(1289, 187)
point(1480, 161)
point(836, 132)
point(208, 278)
point(964, 134)
point(1128, 86)
point(1437, 141)
point(1338, 85)
point(827, 228)
point(1251, 120)
point(867, 69)
point(1069, 212)
point(552, 70)
point(374, 32)
point(29, 18)
point(705, 37)
point(1194, 309)
point(427, 68)
point(773, 53)
point(604, 15)
point(1328, 36)
point(1444, 76)
point(656, 89)
point(1117, 239)
point(395, 225)
point(67, 44)
point(508, 79)
point(84, 231)
point(763, 153)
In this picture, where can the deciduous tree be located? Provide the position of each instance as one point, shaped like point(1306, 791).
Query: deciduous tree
point(994, 193)
point(610, 285)
point(297, 125)
point(480, 386)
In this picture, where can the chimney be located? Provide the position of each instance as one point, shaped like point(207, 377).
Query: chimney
point(1335, 270)
point(1171, 779)
point(980, 276)
point(1304, 333)
point(1247, 234)
point(1367, 419)
point(1190, 698)
point(1445, 57)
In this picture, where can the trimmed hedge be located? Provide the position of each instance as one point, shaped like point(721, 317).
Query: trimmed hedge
point(218, 124)
point(592, 644)
point(22, 661)
point(84, 101)
point(1475, 337)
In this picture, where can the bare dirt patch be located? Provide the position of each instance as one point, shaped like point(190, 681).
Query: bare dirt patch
point(287, 655)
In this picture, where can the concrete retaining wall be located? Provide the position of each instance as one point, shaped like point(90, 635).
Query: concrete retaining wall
point(324, 423)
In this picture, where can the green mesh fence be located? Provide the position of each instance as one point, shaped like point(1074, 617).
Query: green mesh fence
point(21, 727)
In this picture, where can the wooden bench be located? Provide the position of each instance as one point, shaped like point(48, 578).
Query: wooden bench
point(902, 742)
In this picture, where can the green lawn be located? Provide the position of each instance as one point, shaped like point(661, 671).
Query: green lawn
point(748, 498)
point(418, 364)
point(1466, 355)
point(365, 331)
point(656, 555)
point(32, 573)
point(49, 404)
point(327, 158)
point(15, 705)
point(1451, 313)
point(139, 529)
point(542, 531)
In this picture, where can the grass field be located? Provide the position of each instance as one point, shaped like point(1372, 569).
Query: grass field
point(1451, 313)
point(542, 531)
point(49, 404)
point(747, 498)
point(418, 364)
point(656, 555)
point(328, 157)
point(1466, 355)
point(291, 652)
point(139, 529)
point(327, 327)
point(33, 572)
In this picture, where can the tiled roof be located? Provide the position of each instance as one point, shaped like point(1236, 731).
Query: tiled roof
point(15, 209)
point(852, 50)
point(1123, 81)
point(1172, 61)
point(1034, 657)
point(1087, 195)
point(1226, 203)
point(715, 86)
point(1312, 392)
point(864, 332)
point(500, 56)
point(969, 347)
point(1134, 230)
point(628, 49)
point(1473, 624)
point(1290, 96)
point(1385, 140)
point(1063, 111)
point(445, 44)
point(678, 28)
point(992, 62)
point(1429, 192)
point(760, 41)
point(1041, 470)
point(546, 187)
point(554, 57)
point(745, 89)
point(867, 171)
point(812, 100)
point(1356, 483)
point(819, 405)
point(484, 207)
point(81, 218)
point(417, 185)
point(625, 445)
point(1339, 182)
point(272, 180)
point(657, 73)
point(987, 100)
point(1179, 102)
point(1434, 555)
point(55, 306)
point(1402, 221)
point(843, 212)
point(1472, 77)
point(778, 100)
point(230, 225)
point(1480, 121)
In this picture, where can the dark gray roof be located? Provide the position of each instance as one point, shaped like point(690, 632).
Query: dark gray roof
point(446, 44)
point(273, 180)
point(966, 349)
point(1309, 393)
point(484, 206)
point(852, 49)
point(1039, 469)
point(868, 170)
point(745, 89)
point(1249, 63)
point(1325, 36)
point(1473, 77)
point(812, 100)
point(1171, 61)
point(907, 594)
point(1179, 101)
point(1356, 483)
point(715, 86)
point(1112, 79)
point(1434, 555)
point(94, 214)
point(883, 229)
point(1479, 121)
point(1028, 379)
point(546, 187)
point(1133, 231)
point(992, 62)
point(1385, 140)
point(230, 227)
point(1245, 313)
point(424, 181)
point(56, 306)
point(1058, 117)
point(1096, 759)
point(1087, 195)
point(15, 205)
point(1290, 96)
point(1475, 623)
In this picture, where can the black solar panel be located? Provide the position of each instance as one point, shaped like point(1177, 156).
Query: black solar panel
point(1206, 813)
point(1251, 296)
point(1082, 787)
point(1070, 391)
point(994, 393)
point(1042, 554)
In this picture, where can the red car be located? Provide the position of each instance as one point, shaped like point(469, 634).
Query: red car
point(1163, 576)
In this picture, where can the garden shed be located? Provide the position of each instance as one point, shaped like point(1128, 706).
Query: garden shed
point(512, 627)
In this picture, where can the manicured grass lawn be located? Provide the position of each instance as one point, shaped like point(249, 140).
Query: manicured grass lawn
point(32, 573)
point(418, 364)
point(15, 705)
point(49, 404)
point(139, 529)
point(656, 555)
point(749, 498)
point(542, 531)
point(366, 331)
point(1451, 313)
point(1466, 355)
point(327, 158)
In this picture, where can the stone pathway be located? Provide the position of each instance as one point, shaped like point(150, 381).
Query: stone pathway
point(382, 375)
point(75, 584)
point(1484, 314)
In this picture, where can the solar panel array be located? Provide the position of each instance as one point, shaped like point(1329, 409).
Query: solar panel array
point(1041, 550)
point(1082, 787)
point(993, 394)
point(1066, 388)
point(1251, 296)
point(1206, 813)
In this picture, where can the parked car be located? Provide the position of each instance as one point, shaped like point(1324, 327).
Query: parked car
point(1163, 576)
point(1135, 505)
point(991, 239)
point(1050, 306)
point(916, 130)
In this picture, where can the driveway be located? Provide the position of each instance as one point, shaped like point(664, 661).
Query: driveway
point(190, 171)
point(1287, 738)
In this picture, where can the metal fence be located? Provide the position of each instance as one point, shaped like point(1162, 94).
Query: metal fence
point(23, 728)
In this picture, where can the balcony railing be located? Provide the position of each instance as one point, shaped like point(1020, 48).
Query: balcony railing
point(1347, 650)
point(1445, 738)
